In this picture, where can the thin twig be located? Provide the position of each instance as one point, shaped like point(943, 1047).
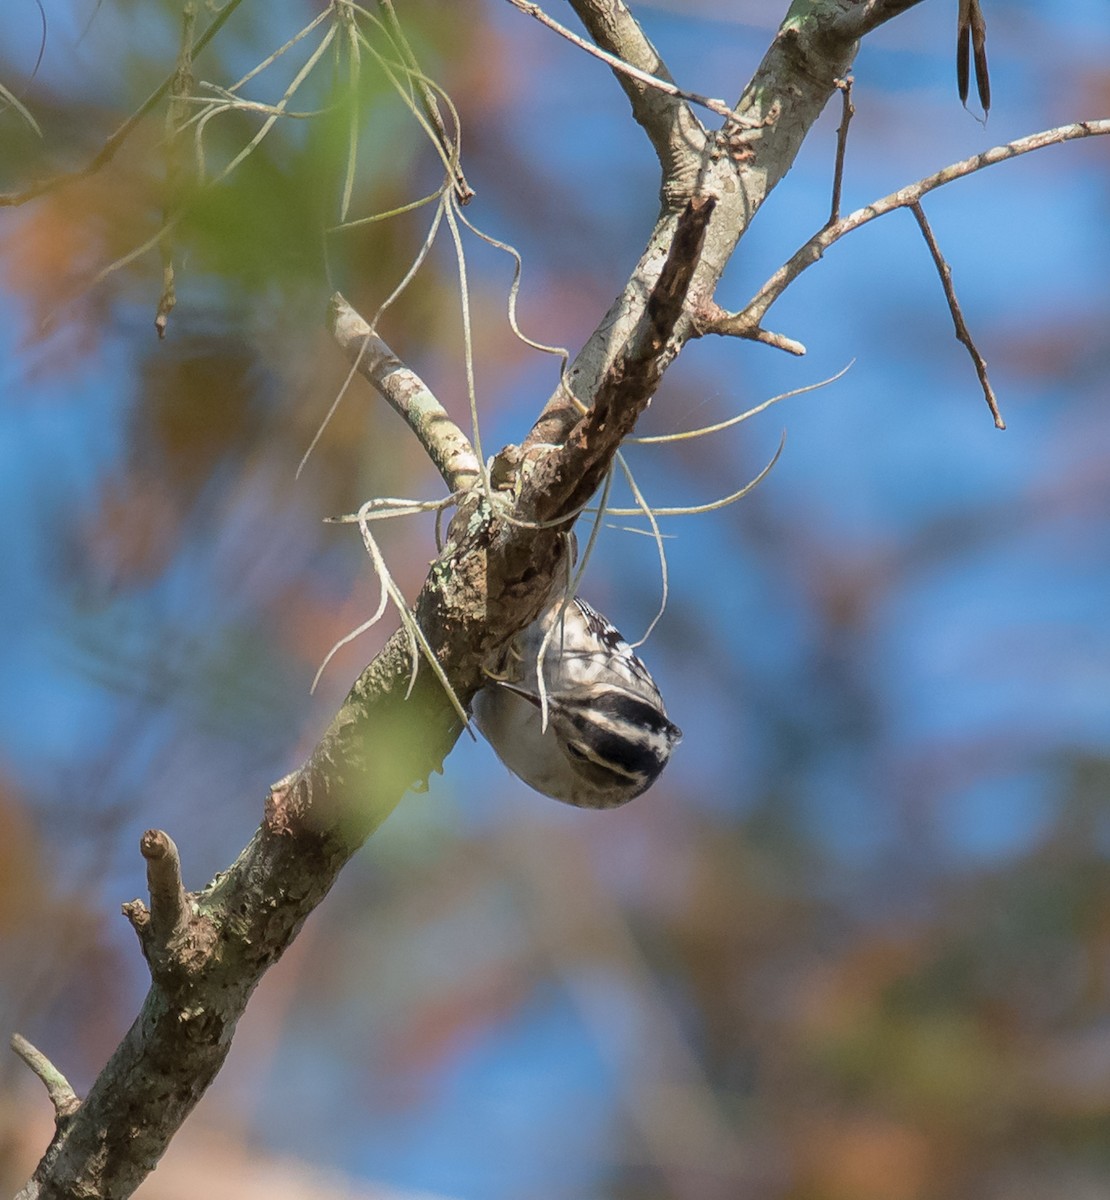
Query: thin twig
point(9, 98)
point(618, 64)
point(963, 334)
point(62, 1096)
point(746, 322)
point(279, 109)
point(171, 220)
point(710, 317)
point(176, 163)
point(407, 394)
point(354, 114)
point(385, 508)
point(848, 111)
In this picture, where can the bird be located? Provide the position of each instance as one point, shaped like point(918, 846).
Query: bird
point(596, 734)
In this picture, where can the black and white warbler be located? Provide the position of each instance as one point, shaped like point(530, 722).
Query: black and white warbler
point(597, 734)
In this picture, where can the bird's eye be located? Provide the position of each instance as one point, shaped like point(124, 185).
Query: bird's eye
point(576, 752)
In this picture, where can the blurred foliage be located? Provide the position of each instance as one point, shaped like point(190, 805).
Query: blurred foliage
point(856, 944)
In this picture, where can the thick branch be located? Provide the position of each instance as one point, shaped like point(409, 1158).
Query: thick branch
point(491, 579)
point(813, 49)
point(569, 476)
point(860, 19)
point(376, 747)
point(675, 133)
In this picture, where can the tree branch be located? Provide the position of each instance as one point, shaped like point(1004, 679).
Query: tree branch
point(658, 80)
point(503, 553)
point(659, 106)
point(169, 908)
point(569, 476)
point(239, 925)
point(62, 1096)
point(847, 112)
point(748, 320)
point(858, 20)
point(208, 952)
point(739, 167)
point(963, 334)
point(407, 394)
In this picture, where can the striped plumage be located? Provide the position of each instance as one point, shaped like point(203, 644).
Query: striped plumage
point(607, 736)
